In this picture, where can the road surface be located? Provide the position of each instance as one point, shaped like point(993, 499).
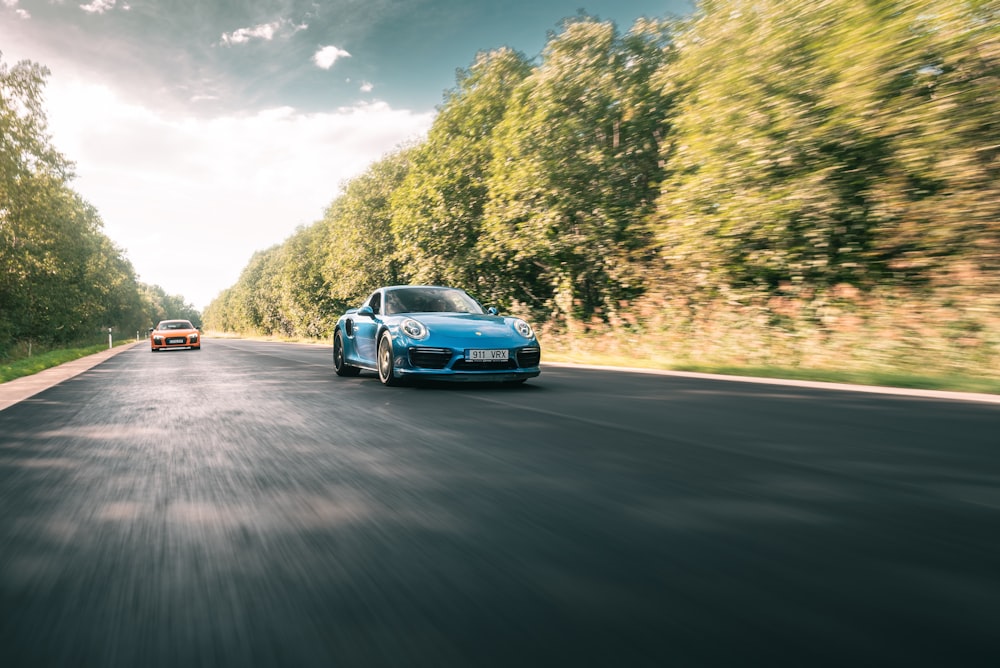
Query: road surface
point(243, 506)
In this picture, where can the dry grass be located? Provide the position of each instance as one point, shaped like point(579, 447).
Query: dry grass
point(948, 340)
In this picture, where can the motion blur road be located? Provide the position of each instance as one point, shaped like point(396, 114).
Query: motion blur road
point(243, 506)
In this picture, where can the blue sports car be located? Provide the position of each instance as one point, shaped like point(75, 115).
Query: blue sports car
point(432, 332)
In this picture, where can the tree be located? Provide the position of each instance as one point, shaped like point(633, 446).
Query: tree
point(360, 252)
point(157, 305)
point(437, 210)
point(856, 149)
point(27, 161)
point(575, 167)
point(305, 290)
point(938, 94)
point(61, 279)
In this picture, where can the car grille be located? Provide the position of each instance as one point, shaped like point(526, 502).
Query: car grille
point(430, 358)
point(528, 357)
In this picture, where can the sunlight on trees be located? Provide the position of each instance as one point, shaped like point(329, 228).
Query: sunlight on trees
point(62, 281)
point(803, 183)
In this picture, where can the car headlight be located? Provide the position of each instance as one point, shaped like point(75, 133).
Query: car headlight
point(157, 339)
point(523, 328)
point(194, 338)
point(414, 329)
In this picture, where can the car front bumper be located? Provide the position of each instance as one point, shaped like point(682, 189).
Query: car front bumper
point(168, 342)
point(449, 364)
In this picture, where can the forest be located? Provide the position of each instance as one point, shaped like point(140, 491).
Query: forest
point(800, 184)
point(63, 282)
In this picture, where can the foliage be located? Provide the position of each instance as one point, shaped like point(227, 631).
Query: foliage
point(576, 167)
point(62, 281)
point(861, 146)
point(361, 249)
point(437, 211)
point(157, 305)
point(694, 183)
point(841, 334)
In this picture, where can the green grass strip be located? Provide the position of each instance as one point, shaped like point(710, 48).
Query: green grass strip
point(31, 365)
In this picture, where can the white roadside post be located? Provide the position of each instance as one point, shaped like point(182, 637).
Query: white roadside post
point(109, 339)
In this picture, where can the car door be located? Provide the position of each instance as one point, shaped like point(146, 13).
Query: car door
point(365, 329)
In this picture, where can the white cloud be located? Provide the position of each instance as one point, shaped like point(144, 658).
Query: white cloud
point(190, 200)
point(328, 55)
point(102, 6)
point(367, 86)
point(12, 4)
point(264, 31)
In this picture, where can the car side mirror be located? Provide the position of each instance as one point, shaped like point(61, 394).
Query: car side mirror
point(493, 310)
point(366, 311)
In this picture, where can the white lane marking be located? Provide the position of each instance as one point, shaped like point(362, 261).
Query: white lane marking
point(812, 384)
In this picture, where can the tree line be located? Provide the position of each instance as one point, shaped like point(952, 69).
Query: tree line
point(765, 178)
point(749, 153)
point(62, 281)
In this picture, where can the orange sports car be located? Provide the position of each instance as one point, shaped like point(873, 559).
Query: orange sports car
point(174, 334)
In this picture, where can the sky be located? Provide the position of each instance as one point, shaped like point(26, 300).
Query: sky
point(203, 131)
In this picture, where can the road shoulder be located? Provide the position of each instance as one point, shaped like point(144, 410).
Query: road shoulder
point(19, 389)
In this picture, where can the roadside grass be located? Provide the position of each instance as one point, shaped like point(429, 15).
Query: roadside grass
point(947, 339)
point(31, 365)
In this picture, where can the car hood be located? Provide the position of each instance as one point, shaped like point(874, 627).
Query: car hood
point(466, 324)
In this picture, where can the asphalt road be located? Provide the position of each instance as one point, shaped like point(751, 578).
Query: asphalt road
point(243, 506)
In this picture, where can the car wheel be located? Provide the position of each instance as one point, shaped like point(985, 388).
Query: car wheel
point(386, 364)
point(154, 350)
point(340, 365)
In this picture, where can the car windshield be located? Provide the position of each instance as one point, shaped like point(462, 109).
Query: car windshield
point(429, 300)
point(175, 324)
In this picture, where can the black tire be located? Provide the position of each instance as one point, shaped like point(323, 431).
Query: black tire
point(339, 364)
point(386, 362)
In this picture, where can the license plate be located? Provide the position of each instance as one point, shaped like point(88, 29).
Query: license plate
point(473, 355)
point(176, 340)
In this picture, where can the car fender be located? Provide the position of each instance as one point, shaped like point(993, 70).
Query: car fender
point(347, 339)
point(384, 328)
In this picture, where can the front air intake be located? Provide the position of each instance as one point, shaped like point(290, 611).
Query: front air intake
point(429, 358)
